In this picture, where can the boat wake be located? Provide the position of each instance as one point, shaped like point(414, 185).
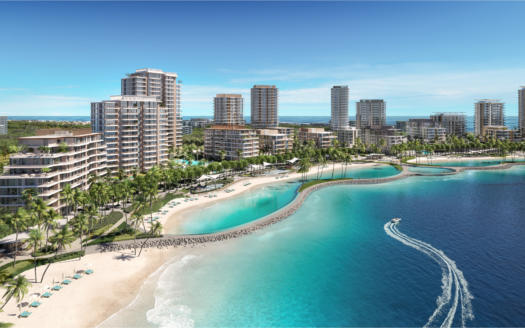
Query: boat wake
point(455, 287)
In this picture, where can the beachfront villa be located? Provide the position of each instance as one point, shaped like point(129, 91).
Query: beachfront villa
point(273, 142)
point(231, 139)
point(49, 161)
point(372, 134)
point(321, 138)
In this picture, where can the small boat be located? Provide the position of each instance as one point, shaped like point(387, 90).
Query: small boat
point(396, 220)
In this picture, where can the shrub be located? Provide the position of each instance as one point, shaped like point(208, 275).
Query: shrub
point(110, 220)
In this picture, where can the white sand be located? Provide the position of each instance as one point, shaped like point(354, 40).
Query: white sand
point(117, 279)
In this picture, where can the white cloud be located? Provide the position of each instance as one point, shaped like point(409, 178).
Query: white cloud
point(12, 89)
point(44, 105)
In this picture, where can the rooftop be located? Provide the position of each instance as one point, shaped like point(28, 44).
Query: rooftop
point(54, 133)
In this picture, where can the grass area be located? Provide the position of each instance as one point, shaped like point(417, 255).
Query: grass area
point(119, 237)
point(44, 251)
point(313, 183)
point(110, 220)
point(397, 166)
point(406, 159)
point(157, 205)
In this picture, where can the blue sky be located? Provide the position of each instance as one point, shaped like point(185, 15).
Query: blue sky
point(57, 57)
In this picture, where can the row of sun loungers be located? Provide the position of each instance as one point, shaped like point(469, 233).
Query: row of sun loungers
point(229, 190)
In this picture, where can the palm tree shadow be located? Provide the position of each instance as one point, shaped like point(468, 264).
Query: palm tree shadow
point(125, 257)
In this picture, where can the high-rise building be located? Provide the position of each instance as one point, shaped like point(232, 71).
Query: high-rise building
point(488, 112)
point(454, 123)
point(339, 107)
point(402, 126)
point(52, 159)
point(3, 124)
point(228, 109)
point(521, 110)
point(135, 130)
point(425, 129)
point(163, 86)
point(264, 106)
point(370, 112)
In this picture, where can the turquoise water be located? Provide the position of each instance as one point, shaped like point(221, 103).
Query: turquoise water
point(185, 162)
point(337, 262)
point(473, 162)
point(263, 200)
point(429, 170)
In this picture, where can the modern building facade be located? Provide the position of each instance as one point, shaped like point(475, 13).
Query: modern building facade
point(347, 137)
point(488, 112)
point(370, 112)
point(70, 156)
point(454, 123)
point(264, 106)
point(272, 141)
point(352, 123)
point(135, 130)
point(521, 110)
point(228, 109)
point(372, 134)
point(231, 139)
point(426, 130)
point(198, 122)
point(322, 138)
point(163, 86)
point(402, 126)
point(3, 124)
point(187, 129)
point(339, 108)
point(498, 133)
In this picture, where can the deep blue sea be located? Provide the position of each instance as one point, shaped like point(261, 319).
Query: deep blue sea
point(512, 121)
point(455, 260)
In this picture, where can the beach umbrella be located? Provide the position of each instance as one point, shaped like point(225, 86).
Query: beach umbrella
point(53, 281)
point(62, 275)
point(20, 307)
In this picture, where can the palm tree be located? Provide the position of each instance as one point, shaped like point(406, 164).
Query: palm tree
point(127, 193)
point(81, 226)
point(36, 238)
point(67, 192)
point(19, 222)
point(333, 156)
point(136, 219)
point(382, 144)
point(239, 154)
point(92, 214)
point(40, 209)
point(222, 154)
point(150, 193)
point(17, 288)
point(28, 195)
point(77, 199)
point(50, 221)
point(60, 240)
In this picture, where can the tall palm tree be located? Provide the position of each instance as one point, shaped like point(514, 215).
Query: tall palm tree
point(35, 240)
point(92, 214)
point(28, 196)
point(67, 193)
point(50, 222)
point(39, 208)
point(81, 227)
point(18, 221)
point(128, 191)
point(222, 154)
point(150, 194)
point(60, 240)
point(17, 288)
point(239, 154)
point(77, 199)
point(136, 219)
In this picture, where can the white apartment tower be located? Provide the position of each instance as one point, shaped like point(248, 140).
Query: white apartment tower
point(135, 130)
point(264, 106)
point(340, 107)
point(488, 112)
point(163, 86)
point(454, 123)
point(228, 109)
point(370, 112)
point(521, 110)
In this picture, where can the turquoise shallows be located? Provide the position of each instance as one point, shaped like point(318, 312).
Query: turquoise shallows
point(331, 264)
point(429, 170)
point(473, 162)
point(263, 200)
point(185, 162)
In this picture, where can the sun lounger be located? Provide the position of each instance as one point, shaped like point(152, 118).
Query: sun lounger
point(47, 294)
point(57, 287)
point(66, 282)
point(196, 199)
point(35, 304)
point(77, 276)
point(171, 206)
point(178, 202)
point(25, 314)
point(90, 271)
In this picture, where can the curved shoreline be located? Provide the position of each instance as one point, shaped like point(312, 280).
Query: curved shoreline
point(279, 215)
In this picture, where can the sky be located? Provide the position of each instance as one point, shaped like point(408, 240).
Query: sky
point(420, 57)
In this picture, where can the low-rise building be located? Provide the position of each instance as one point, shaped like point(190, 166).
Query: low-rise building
point(198, 122)
point(498, 132)
point(352, 123)
point(52, 159)
point(274, 142)
point(372, 134)
point(230, 139)
point(402, 126)
point(347, 137)
point(455, 123)
point(322, 138)
point(187, 130)
point(426, 130)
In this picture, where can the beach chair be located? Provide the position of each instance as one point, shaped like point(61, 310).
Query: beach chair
point(47, 295)
point(35, 304)
point(57, 287)
point(178, 202)
point(25, 314)
point(171, 206)
point(90, 271)
point(77, 276)
point(66, 282)
point(196, 198)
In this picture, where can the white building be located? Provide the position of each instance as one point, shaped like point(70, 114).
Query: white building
point(264, 106)
point(347, 137)
point(425, 130)
point(370, 112)
point(454, 123)
point(521, 110)
point(3, 124)
point(228, 109)
point(488, 112)
point(339, 107)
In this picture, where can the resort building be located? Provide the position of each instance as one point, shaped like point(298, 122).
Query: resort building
point(228, 109)
point(322, 138)
point(272, 141)
point(264, 106)
point(163, 86)
point(3, 124)
point(372, 134)
point(231, 139)
point(339, 107)
point(370, 112)
point(498, 133)
point(347, 137)
point(352, 123)
point(135, 130)
point(402, 126)
point(521, 110)
point(186, 129)
point(198, 122)
point(52, 159)
point(286, 131)
point(425, 130)
point(488, 112)
point(454, 123)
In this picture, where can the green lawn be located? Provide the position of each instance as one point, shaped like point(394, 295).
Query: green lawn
point(406, 159)
point(313, 183)
point(397, 166)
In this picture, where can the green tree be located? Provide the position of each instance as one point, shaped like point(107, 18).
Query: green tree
point(35, 240)
point(18, 221)
point(17, 288)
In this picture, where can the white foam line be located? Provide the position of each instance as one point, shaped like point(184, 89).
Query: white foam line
point(257, 194)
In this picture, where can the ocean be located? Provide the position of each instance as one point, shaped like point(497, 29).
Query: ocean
point(511, 121)
point(456, 259)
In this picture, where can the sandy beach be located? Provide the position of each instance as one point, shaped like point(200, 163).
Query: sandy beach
point(118, 276)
